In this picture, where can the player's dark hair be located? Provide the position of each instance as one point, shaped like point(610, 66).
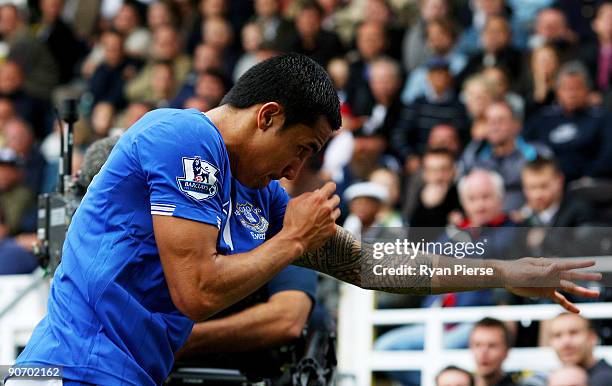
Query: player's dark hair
point(496, 323)
point(459, 369)
point(296, 82)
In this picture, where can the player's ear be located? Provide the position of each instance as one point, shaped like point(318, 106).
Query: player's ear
point(270, 116)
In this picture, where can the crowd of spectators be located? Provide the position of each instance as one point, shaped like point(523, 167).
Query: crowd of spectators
point(572, 337)
point(456, 113)
point(430, 89)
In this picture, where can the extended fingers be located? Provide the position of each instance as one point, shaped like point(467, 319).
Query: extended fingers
point(558, 298)
point(577, 290)
point(574, 275)
point(573, 264)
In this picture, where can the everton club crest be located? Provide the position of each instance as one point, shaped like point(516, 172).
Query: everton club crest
point(200, 179)
point(250, 217)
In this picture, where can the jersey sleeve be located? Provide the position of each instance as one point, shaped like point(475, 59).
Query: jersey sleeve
point(278, 204)
point(183, 164)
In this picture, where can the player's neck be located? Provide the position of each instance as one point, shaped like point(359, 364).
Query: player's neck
point(233, 124)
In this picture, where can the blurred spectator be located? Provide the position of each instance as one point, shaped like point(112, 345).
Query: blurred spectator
point(547, 203)
point(162, 13)
point(481, 194)
point(437, 196)
point(38, 65)
point(388, 216)
point(579, 135)
point(414, 48)
point(163, 85)
point(597, 53)
point(555, 215)
point(197, 103)
point(473, 38)
point(551, 28)
point(211, 86)
point(14, 260)
point(569, 376)
point(439, 106)
point(573, 339)
point(454, 376)
point(365, 201)
point(16, 200)
point(83, 15)
point(580, 14)
point(497, 49)
point(276, 29)
point(59, 39)
point(539, 79)
point(218, 33)
point(478, 93)
point(441, 36)
point(445, 136)
point(108, 80)
point(206, 58)
point(380, 11)
point(340, 149)
point(371, 43)
point(498, 76)
point(7, 111)
point(490, 342)
point(384, 83)
point(252, 38)
point(504, 151)
point(167, 48)
point(525, 11)
point(20, 138)
point(338, 70)
point(128, 23)
point(25, 105)
point(132, 113)
point(102, 119)
point(206, 9)
point(311, 39)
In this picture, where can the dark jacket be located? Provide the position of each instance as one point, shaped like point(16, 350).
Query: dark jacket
point(582, 141)
point(410, 135)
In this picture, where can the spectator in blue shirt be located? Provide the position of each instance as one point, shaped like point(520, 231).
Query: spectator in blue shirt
point(580, 135)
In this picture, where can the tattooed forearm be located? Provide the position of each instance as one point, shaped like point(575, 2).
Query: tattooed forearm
point(349, 260)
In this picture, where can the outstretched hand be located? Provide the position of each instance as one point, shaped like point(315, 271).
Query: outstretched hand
point(540, 277)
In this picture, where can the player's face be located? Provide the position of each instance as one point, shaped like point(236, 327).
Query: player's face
point(278, 151)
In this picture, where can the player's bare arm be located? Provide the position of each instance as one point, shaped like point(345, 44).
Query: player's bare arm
point(349, 260)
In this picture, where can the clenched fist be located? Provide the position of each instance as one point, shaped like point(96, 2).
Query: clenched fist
point(311, 217)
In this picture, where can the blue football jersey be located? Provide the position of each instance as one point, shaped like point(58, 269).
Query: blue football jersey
point(110, 318)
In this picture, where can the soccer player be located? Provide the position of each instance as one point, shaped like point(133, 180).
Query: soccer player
point(153, 247)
